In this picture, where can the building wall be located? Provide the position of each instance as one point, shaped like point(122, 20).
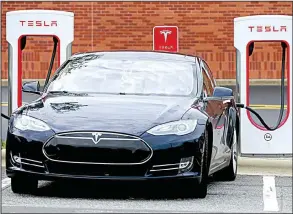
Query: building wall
point(205, 29)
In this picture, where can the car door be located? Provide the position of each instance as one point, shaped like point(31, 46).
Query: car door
point(223, 125)
point(216, 110)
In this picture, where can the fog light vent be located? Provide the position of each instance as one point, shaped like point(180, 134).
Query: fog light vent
point(25, 161)
point(17, 159)
point(185, 164)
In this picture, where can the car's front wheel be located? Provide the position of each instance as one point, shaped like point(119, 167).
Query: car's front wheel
point(229, 173)
point(24, 184)
point(200, 190)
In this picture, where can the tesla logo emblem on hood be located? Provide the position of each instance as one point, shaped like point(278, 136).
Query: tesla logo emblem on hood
point(96, 137)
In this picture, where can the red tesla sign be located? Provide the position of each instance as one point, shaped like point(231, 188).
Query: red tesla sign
point(165, 38)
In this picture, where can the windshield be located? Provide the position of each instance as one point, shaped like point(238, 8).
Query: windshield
point(143, 77)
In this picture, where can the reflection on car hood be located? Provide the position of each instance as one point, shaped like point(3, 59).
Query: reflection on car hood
point(115, 113)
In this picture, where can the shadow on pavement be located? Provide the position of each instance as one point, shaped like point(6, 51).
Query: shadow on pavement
point(115, 190)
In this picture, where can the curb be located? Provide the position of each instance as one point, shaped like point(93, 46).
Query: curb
point(265, 166)
point(220, 82)
point(265, 162)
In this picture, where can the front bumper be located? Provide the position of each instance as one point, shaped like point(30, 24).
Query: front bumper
point(165, 162)
point(13, 171)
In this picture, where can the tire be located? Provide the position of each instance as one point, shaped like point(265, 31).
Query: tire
point(24, 185)
point(199, 190)
point(230, 172)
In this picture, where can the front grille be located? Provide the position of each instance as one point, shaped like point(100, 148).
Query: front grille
point(97, 148)
point(96, 170)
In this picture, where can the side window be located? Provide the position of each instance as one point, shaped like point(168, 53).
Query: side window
point(210, 74)
point(207, 84)
point(205, 92)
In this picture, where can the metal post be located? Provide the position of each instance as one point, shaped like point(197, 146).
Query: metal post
point(68, 51)
point(10, 76)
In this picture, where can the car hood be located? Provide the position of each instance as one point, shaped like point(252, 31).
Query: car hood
point(114, 113)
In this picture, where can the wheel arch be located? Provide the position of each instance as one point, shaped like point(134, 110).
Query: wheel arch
point(209, 128)
point(233, 115)
point(236, 123)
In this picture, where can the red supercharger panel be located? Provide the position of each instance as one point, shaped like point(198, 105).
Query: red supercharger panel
point(165, 38)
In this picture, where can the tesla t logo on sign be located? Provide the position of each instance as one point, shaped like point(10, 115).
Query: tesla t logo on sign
point(165, 38)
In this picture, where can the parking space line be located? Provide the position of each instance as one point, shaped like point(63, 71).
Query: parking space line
point(269, 194)
point(6, 182)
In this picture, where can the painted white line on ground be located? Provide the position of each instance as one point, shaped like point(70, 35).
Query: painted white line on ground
point(5, 183)
point(269, 194)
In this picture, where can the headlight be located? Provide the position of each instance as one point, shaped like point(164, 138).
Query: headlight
point(180, 127)
point(24, 122)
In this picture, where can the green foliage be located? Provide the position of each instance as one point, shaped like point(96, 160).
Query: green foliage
point(3, 144)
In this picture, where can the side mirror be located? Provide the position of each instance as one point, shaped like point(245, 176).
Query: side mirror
point(221, 94)
point(31, 87)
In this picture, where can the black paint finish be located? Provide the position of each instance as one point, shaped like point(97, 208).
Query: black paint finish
point(126, 150)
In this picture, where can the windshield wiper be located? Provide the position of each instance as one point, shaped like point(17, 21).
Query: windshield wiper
point(58, 92)
point(68, 93)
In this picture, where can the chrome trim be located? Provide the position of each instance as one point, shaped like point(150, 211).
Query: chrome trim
point(174, 164)
point(25, 159)
point(97, 163)
point(83, 138)
point(31, 164)
point(156, 170)
point(118, 139)
point(90, 138)
point(87, 132)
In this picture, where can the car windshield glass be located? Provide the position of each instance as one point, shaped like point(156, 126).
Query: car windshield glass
point(126, 76)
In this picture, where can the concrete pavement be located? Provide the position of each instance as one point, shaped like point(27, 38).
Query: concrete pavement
point(247, 194)
point(262, 186)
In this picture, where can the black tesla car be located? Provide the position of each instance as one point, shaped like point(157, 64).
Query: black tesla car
point(125, 115)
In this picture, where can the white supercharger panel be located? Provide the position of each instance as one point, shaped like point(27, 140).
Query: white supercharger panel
point(35, 23)
point(253, 140)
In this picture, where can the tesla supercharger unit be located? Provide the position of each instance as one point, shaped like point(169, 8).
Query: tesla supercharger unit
point(58, 24)
point(255, 139)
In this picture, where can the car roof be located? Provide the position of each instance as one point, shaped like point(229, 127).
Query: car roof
point(138, 55)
